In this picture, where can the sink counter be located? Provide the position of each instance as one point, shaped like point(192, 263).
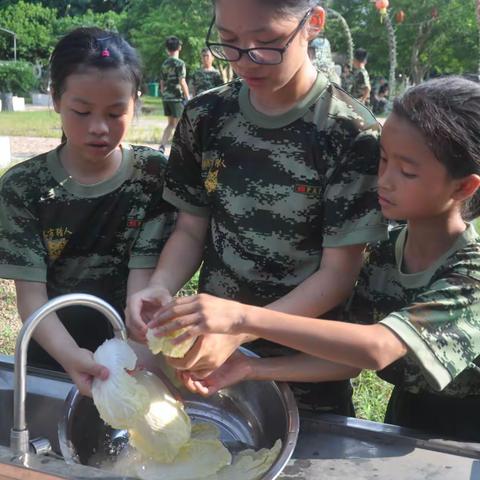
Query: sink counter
point(329, 447)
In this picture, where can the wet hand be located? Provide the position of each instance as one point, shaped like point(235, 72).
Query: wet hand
point(236, 369)
point(141, 309)
point(207, 354)
point(201, 314)
point(82, 368)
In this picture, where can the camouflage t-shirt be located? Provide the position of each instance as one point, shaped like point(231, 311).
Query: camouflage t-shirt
point(172, 71)
point(436, 313)
point(203, 80)
point(360, 81)
point(83, 238)
point(277, 189)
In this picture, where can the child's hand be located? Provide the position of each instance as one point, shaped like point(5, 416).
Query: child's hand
point(236, 369)
point(201, 314)
point(141, 308)
point(82, 368)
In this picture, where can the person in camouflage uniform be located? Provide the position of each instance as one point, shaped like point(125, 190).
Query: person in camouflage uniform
point(415, 312)
point(88, 216)
point(206, 77)
point(276, 206)
point(360, 83)
point(322, 60)
point(174, 88)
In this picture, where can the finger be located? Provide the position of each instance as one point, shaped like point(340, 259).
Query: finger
point(134, 309)
point(202, 374)
point(137, 335)
point(99, 371)
point(190, 333)
point(173, 310)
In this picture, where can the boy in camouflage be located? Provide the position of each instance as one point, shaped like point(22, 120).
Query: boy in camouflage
point(274, 175)
point(361, 87)
point(86, 217)
point(206, 77)
point(174, 88)
point(415, 312)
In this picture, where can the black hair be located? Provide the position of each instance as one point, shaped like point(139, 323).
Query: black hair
point(93, 47)
point(360, 55)
point(205, 50)
point(447, 113)
point(296, 8)
point(383, 89)
point(173, 43)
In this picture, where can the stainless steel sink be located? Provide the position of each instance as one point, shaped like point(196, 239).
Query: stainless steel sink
point(46, 393)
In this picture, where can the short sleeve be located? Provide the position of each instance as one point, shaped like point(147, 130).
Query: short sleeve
point(184, 187)
point(23, 255)
point(153, 236)
point(218, 80)
point(442, 328)
point(352, 212)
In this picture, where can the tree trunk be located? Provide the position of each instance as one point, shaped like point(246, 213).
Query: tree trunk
point(418, 69)
point(392, 51)
point(7, 101)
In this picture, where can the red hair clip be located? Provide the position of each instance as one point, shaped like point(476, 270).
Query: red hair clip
point(105, 52)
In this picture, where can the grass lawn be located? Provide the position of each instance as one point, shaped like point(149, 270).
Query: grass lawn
point(147, 127)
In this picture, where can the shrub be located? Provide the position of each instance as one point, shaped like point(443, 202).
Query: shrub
point(17, 78)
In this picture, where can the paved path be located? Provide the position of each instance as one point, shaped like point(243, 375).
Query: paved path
point(23, 148)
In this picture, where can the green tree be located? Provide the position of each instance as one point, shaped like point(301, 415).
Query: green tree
point(76, 7)
point(33, 25)
point(150, 22)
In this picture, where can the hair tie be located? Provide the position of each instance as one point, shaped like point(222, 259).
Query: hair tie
point(105, 52)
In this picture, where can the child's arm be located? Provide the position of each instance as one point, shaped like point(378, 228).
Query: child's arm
point(328, 287)
point(179, 260)
point(295, 368)
point(55, 339)
point(162, 86)
point(360, 346)
point(184, 85)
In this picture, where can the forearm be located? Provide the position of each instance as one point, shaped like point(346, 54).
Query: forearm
point(162, 86)
point(138, 279)
point(50, 332)
point(299, 368)
point(331, 285)
point(184, 85)
point(360, 346)
point(182, 255)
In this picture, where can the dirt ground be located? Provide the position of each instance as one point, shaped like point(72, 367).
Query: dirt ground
point(23, 148)
point(27, 147)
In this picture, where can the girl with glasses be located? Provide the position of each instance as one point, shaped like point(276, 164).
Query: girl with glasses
point(274, 176)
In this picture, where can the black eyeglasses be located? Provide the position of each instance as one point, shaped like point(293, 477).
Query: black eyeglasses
point(260, 55)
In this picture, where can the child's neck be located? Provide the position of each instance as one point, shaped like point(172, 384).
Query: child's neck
point(282, 100)
point(88, 172)
point(174, 54)
point(428, 240)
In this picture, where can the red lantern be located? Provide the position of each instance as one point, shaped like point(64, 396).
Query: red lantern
point(382, 4)
point(400, 16)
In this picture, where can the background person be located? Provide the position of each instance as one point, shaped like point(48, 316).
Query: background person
point(361, 86)
point(174, 88)
point(207, 77)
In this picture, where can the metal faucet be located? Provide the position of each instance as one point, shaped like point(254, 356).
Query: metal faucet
point(19, 437)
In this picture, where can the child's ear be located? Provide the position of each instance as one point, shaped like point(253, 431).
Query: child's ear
point(317, 21)
point(467, 187)
point(55, 101)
